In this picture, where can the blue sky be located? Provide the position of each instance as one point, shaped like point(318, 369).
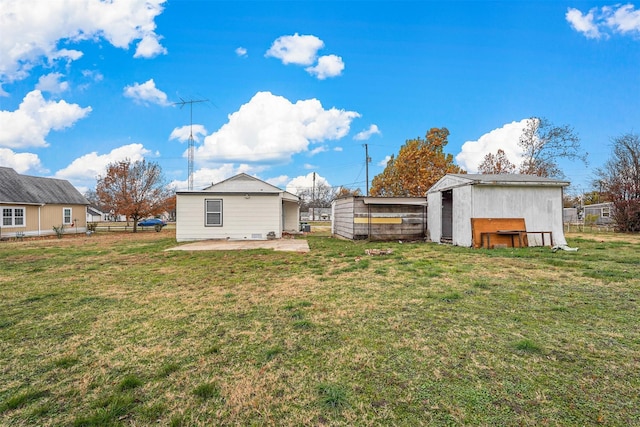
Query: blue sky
point(298, 87)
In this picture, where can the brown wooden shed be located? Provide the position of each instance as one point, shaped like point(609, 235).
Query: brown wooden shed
point(379, 218)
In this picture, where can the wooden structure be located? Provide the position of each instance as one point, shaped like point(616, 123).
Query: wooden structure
point(491, 232)
point(379, 218)
point(458, 198)
point(32, 206)
point(240, 208)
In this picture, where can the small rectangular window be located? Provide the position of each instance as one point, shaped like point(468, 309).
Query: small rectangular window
point(66, 216)
point(13, 217)
point(213, 212)
point(606, 212)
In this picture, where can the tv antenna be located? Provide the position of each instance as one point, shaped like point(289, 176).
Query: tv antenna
point(191, 144)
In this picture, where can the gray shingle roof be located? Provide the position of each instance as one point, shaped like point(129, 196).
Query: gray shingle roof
point(24, 189)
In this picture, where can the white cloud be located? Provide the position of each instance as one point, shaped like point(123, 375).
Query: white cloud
point(337, 149)
point(279, 181)
point(241, 52)
point(305, 182)
point(182, 133)
point(271, 128)
point(146, 93)
point(505, 138)
point(327, 66)
point(21, 162)
point(51, 83)
point(204, 177)
point(29, 125)
point(597, 23)
point(318, 150)
point(366, 134)
point(309, 166)
point(295, 49)
point(149, 47)
point(583, 23)
point(85, 170)
point(384, 161)
point(33, 30)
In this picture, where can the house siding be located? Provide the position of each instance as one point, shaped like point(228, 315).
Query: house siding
point(242, 218)
point(40, 220)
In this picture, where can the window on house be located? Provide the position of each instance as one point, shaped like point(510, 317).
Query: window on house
point(213, 212)
point(606, 212)
point(13, 217)
point(66, 216)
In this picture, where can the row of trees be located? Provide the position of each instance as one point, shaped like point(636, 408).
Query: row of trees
point(137, 189)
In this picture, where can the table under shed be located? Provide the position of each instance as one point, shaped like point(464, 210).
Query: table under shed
point(503, 231)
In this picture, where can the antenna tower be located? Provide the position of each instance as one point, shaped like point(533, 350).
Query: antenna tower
point(191, 144)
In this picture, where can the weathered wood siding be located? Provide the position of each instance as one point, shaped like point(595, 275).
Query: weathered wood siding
point(353, 219)
point(342, 220)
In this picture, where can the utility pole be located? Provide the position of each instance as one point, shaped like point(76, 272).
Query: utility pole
point(367, 161)
point(191, 144)
point(313, 198)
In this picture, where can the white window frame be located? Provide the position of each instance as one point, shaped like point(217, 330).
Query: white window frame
point(64, 217)
point(13, 216)
point(213, 211)
point(606, 212)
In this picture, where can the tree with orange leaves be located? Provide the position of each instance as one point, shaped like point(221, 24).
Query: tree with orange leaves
point(135, 190)
point(420, 163)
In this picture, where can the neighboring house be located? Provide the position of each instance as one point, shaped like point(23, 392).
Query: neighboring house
point(379, 218)
point(94, 214)
point(456, 199)
point(32, 206)
point(599, 213)
point(240, 208)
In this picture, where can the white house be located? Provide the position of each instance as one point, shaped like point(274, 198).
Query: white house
point(456, 199)
point(240, 208)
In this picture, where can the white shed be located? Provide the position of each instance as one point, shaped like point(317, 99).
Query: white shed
point(240, 208)
point(456, 199)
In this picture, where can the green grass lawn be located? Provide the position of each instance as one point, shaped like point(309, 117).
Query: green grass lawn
point(99, 331)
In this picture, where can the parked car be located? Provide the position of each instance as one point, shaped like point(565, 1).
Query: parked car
point(152, 222)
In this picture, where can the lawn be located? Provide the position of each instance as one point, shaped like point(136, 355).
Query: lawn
point(112, 330)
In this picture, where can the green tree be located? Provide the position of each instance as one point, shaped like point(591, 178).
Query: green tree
point(136, 190)
point(419, 164)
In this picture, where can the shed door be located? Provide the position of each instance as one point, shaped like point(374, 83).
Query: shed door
point(447, 216)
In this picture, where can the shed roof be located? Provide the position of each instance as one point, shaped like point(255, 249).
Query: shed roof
point(457, 180)
point(34, 190)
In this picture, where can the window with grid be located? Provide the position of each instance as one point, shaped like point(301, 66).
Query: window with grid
point(66, 216)
point(13, 217)
point(213, 212)
point(606, 212)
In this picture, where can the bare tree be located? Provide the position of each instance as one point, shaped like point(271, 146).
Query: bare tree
point(620, 180)
point(496, 164)
point(543, 143)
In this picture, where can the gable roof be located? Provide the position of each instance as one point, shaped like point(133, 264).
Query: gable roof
point(456, 180)
point(242, 184)
point(34, 190)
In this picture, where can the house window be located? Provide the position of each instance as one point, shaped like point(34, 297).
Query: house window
point(213, 212)
point(606, 212)
point(13, 217)
point(66, 216)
